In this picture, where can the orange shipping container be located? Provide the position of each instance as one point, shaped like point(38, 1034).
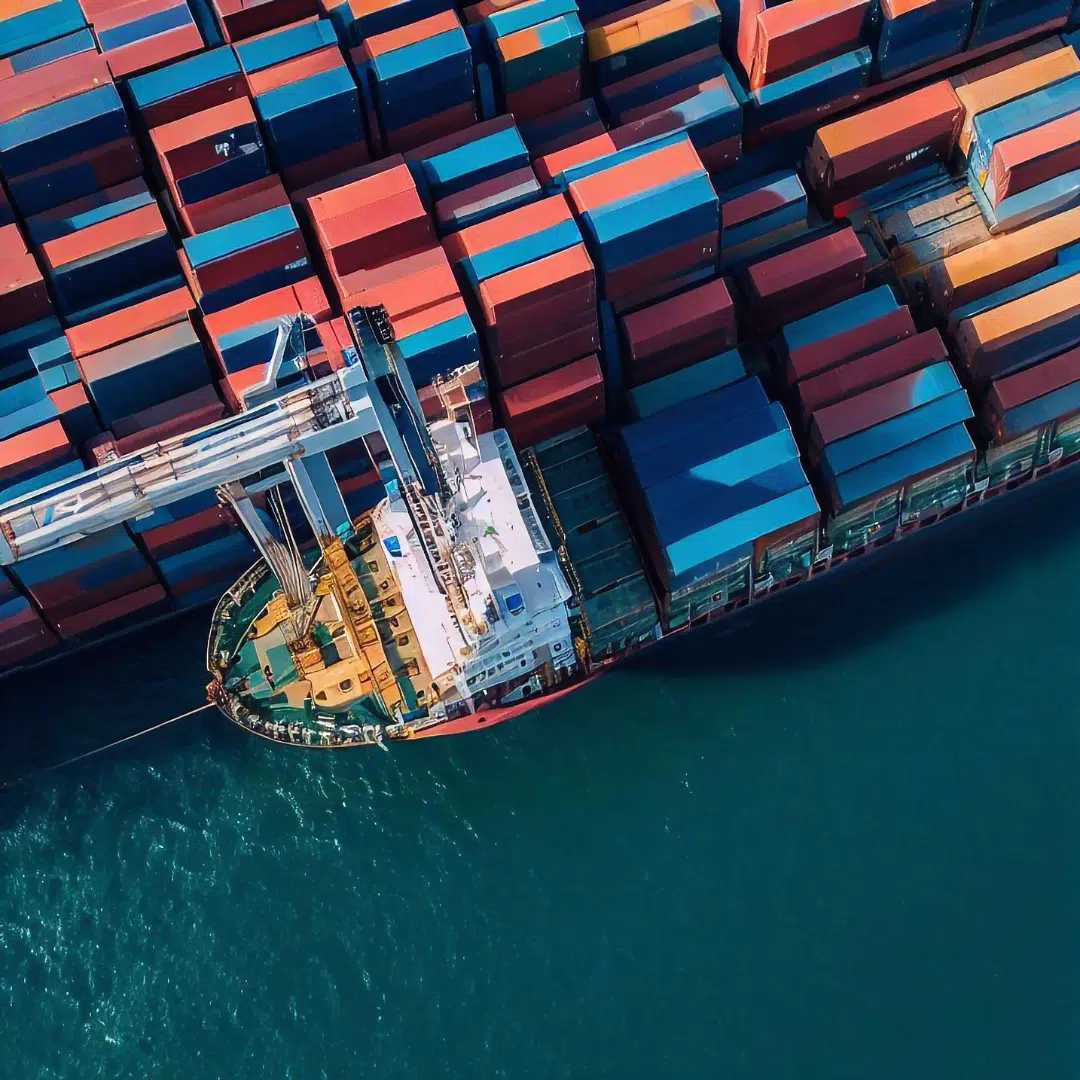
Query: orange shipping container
point(872, 147)
point(1002, 261)
point(1009, 85)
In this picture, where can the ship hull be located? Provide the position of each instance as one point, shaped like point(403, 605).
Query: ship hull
point(1006, 499)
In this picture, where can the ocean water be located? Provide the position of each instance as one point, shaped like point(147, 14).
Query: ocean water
point(842, 841)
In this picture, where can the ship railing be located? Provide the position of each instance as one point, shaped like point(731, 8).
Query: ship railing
point(245, 587)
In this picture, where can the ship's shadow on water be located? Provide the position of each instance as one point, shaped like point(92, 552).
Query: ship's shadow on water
point(878, 594)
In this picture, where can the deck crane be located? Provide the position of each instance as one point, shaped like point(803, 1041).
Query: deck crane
point(282, 436)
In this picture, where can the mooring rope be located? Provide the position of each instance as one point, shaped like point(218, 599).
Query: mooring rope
point(107, 746)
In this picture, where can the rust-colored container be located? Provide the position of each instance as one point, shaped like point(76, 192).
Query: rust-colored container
point(862, 151)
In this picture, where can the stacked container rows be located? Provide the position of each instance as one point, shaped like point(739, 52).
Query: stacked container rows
point(175, 180)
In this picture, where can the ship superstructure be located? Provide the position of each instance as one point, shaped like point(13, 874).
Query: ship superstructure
point(445, 598)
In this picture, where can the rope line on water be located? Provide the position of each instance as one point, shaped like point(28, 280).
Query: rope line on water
point(107, 746)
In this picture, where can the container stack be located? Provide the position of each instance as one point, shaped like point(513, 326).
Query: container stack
point(197, 548)
point(111, 264)
point(137, 35)
point(894, 453)
point(474, 175)
point(852, 156)
point(686, 383)
point(864, 324)
point(247, 258)
point(537, 49)
point(85, 587)
point(64, 133)
point(23, 632)
point(800, 56)
point(720, 489)
point(762, 216)
point(70, 44)
point(24, 301)
point(215, 166)
point(187, 87)
point(357, 20)
point(805, 279)
point(242, 337)
point(1020, 325)
point(307, 101)
point(142, 359)
point(650, 218)
point(24, 28)
point(363, 225)
point(635, 39)
point(1000, 20)
point(1032, 418)
point(618, 610)
point(917, 33)
point(533, 289)
point(562, 128)
point(697, 93)
point(240, 19)
point(420, 81)
point(980, 271)
point(677, 332)
point(1024, 154)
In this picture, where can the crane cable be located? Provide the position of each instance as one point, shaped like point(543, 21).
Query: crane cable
point(107, 746)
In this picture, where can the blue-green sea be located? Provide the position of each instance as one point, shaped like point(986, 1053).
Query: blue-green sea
point(840, 842)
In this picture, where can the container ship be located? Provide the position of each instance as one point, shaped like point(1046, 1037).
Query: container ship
point(452, 354)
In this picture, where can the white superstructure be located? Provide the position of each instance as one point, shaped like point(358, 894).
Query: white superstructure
point(509, 618)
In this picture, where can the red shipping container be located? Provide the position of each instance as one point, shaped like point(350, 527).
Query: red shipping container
point(546, 357)
point(692, 326)
point(196, 100)
point(177, 417)
point(192, 144)
point(189, 532)
point(808, 278)
point(67, 596)
point(554, 164)
point(153, 50)
point(861, 411)
point(553, 274)
point(103, 616)
point(866, 372)
point(242, 19)
point(513, 225)
point(456, 140)
point(130, 322)
point(613, 91)
point(76, 413)
point(663, 274)
point(862, 151)
point(230, 206)
point(306, 173)
point(135, 226)
point(555, 403)
point(35, 641)
point(484, 196)
point(301, 196)
point(41, 86)
point(796, 36)
point(1015, 390)
point(548, 95)
point(870, 337)
point(252, 261)
point(1033, 157)
point(34, 451)
point(23, 296)
point(634, 177)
